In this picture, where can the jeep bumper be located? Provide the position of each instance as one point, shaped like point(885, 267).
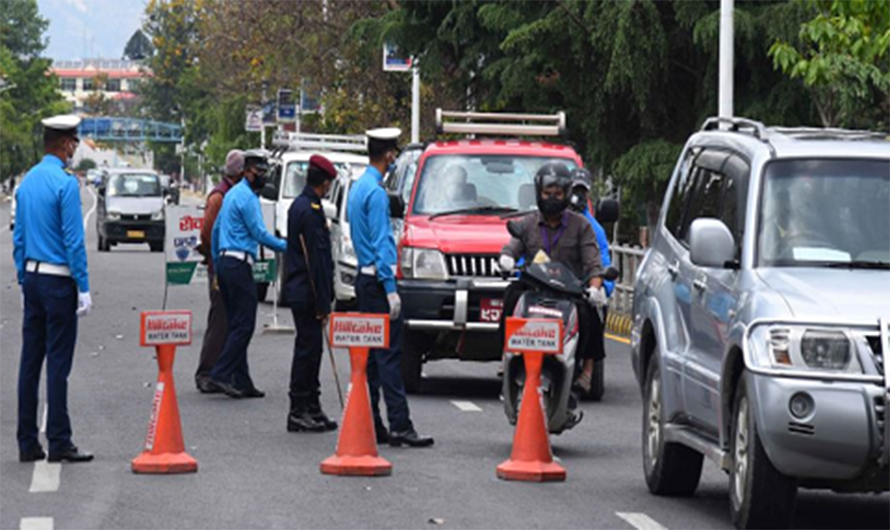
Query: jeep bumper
point(452, 305)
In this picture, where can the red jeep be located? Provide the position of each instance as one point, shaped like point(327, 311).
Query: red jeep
point(454, 202)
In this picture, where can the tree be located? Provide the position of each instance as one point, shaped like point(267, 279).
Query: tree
point(138, 47)
point(86, 164)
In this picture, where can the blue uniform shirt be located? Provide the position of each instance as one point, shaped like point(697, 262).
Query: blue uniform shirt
point(370, 227)
point(240, 224)
point(49, 222)
point(603, 243)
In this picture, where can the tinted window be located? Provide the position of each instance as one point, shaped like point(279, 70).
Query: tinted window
point(680, 195)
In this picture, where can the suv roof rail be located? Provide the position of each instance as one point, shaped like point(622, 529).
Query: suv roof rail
point(828, 133)
point(501, 123)
point(756, 128)
point(291, 141)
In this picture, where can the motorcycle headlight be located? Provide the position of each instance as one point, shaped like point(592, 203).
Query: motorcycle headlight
point(423, 264)
point(158, 215)
point(804, 349)
point(113, 216)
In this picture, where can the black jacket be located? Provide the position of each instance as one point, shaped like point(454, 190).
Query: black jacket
point(309, 280)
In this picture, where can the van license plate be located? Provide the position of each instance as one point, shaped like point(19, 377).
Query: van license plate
point(490, 309)
point(135, 234)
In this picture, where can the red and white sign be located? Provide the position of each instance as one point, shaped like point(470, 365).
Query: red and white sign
point(534, 335)
point(155, 414)
point(359, 330)
point(490, 309)
point(166, 327)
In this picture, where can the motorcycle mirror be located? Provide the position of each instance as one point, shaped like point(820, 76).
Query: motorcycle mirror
point(514, 230)
point(611, 274)
point(607, 211)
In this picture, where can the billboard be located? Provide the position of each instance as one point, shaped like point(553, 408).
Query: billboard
point(393, 61)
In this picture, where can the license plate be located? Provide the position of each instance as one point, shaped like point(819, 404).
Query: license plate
point(135, 234)
point(491, 309)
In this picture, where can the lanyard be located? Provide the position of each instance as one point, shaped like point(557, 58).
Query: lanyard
point(546, 238)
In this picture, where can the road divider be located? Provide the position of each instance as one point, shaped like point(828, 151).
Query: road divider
point(619, 324)
point(356, 453)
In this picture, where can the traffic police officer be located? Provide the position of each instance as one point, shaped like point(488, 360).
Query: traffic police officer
point(51, 263)
point(375, 287)
point(309, 290)
point(236, 233)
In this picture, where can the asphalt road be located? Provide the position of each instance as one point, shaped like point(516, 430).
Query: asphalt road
point(254, 474)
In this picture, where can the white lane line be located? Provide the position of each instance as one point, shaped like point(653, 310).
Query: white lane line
point(640, 521)
point(43, 420)
point(36, 523)
point(86, 218)
point(46, 477)
point(466, 406)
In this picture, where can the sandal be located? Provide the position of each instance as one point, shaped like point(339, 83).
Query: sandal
point(584, 382)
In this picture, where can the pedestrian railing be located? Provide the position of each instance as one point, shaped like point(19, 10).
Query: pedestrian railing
point(627, 260)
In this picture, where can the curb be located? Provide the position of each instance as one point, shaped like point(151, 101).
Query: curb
point(619, 324)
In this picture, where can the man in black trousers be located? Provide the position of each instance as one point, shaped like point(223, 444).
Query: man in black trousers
point(309, 289)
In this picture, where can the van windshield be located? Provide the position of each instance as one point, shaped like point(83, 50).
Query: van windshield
point(825, 213)
point(295, 175)
point(454, 183)
point(134, 185)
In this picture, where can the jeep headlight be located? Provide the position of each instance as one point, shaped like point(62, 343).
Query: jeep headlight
point(113, 216)
point(805, 349)
point(158, 215)
point(347, 250)
point(423, 264)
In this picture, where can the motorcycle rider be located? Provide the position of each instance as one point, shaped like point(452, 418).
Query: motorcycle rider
point(565, 237)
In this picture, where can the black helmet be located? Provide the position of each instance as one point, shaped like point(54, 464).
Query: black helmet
point(581, 180)
point(553, 174)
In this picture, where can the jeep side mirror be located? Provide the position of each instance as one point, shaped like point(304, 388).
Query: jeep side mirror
point(711, 243)
point(330, 210)
point(607, 211)
point(396, 205)
point(270, 192)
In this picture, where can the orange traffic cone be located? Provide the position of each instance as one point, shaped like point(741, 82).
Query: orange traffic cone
point(357, 446)
point(164, 448)
point(531, 459)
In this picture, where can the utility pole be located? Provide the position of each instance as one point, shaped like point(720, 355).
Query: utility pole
point(415, 102)
point(727, 55)
point(263, 120)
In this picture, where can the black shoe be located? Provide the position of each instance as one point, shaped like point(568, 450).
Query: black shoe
point(303, 422)
point(409, 438)
point(206, 386)
point(321, 418)
point(31, 456)
point(253, 392)
point(226, 389)
point(381, 432)
point(73, 455)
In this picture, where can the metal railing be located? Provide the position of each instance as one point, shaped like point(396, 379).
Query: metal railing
point(627, 260)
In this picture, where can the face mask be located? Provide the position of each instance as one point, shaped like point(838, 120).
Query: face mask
point(551, 206)
point(259, 181)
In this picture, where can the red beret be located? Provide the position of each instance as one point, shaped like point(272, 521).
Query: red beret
point(323, 164)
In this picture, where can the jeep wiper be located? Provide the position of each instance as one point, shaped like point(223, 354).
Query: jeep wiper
point(475, 209)
point(860, 264)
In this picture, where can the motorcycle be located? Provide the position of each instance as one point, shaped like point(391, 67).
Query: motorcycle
point(553, 292)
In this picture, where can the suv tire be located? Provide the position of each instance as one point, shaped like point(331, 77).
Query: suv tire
point(671, 469)
point(759, 495)
point(413, 349)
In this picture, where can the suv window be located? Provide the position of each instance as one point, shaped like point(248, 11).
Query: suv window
point(681, 194)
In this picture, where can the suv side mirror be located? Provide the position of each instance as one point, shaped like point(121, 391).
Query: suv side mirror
point(396, 205)
point(270, 192)
point(607, 211)
point(330, 210)
point(711, 243)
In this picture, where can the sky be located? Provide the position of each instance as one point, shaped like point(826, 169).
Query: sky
point(90, 28)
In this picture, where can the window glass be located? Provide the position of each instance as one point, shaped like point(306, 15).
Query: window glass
point(705, 200)
point(88, 83)
point(113, 85)
point(69, 84)
point(134, 185)
point(680, 195)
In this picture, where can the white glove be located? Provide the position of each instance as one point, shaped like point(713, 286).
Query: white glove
point(395, 305)
point(596, 296)
point(84, 304)
point(506, 263)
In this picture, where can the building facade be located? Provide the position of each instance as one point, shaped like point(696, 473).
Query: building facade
point(114, 79)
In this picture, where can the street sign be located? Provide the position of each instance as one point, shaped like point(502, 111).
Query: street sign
point(183, 236)
point(359, 330)
point(158, 328)
point(287, 108)
point(269, 114)
point(264, 271)
point(393, 61)
point(534, 335)
point(253, 121)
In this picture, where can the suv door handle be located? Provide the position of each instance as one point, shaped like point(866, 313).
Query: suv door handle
point(700, 284)
point(673, 269)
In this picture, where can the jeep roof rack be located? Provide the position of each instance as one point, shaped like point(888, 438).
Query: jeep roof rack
point(291, 141)
point(819, 133)
point(740, 125)
point(501, 123)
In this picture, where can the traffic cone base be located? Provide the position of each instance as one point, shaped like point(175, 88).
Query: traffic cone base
point(166, 463)
point(356, 466)
point(531, 471)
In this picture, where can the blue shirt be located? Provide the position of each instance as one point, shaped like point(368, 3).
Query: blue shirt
point(49, 222)
point(240, 226)
point(603, 243)
point(370, 227)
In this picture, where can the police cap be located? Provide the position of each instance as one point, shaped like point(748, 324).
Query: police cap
point(323, 164)
point(61, 125)
point(382, 140)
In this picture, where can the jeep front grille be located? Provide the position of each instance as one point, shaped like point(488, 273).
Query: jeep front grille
point(874, 342)
point(136, 217)
point(473, 265)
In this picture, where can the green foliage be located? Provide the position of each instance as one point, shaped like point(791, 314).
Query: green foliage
point(644, 171)
point(85, 164)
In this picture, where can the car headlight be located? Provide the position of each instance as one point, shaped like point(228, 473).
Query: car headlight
point(423, 264)
point(158, 215)
point(805, 349)
point(347, 251)
point(113, 216)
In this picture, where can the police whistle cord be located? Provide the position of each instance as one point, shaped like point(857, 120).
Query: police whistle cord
point(324, 335)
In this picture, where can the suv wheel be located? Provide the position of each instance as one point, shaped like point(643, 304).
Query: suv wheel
point(671, 468)
point(760, 496)
point(413, 349)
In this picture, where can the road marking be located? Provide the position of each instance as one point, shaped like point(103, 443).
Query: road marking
point(43, 420)
point(86, 218)
point(640, 521)
point(466, 406)
point(46, 477)
point(616, 338)
point(36, 523)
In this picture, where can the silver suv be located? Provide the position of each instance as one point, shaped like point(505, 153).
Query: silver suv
point(761, 316)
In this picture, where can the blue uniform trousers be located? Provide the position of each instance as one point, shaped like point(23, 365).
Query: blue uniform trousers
point(239, 293)
point(304, 385)
point(50, 331)
point(384, 366)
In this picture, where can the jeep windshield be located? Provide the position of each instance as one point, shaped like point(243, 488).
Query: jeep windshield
point(479, 184)
point(825, 213)
point(134, 185)
point(295, 175)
